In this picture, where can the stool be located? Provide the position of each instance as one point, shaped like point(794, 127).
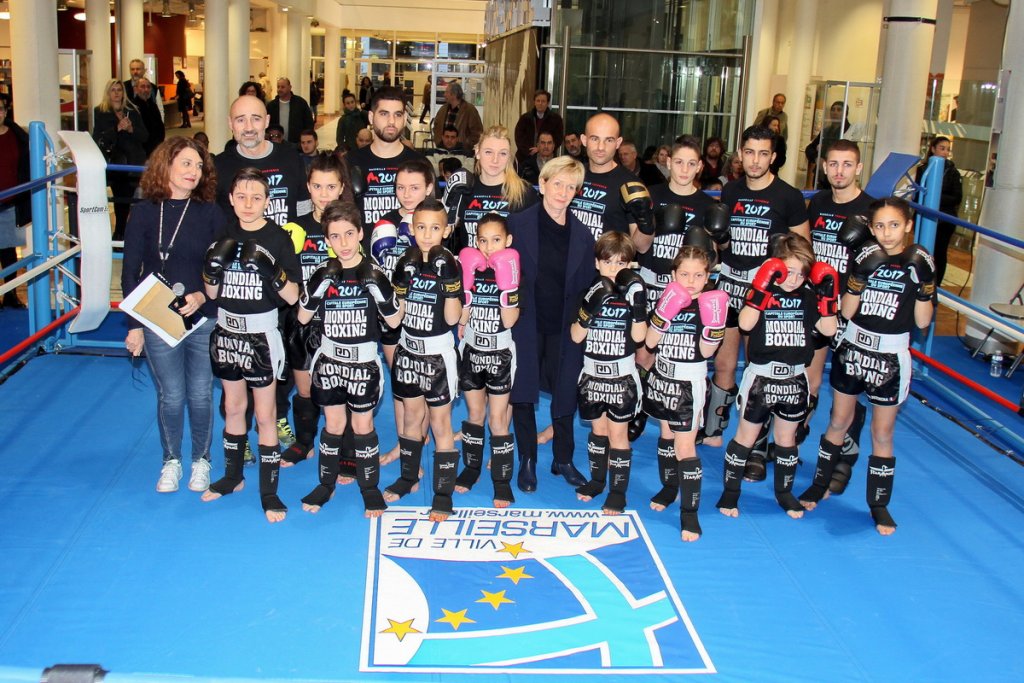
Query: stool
point(1011, 312)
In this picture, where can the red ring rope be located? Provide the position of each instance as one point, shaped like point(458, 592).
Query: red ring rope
point(984, 391)
point(24, 344)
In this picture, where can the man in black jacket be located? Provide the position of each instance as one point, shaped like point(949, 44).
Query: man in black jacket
point(143, 99)
point(289, 111)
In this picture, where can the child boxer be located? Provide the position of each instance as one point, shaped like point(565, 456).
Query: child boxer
point(250, 272)
point(348, 292)
point(612, 320)
point(780, 315)
point(685, 329)
point(889, 291)
point(490, 280)
point(423, 374)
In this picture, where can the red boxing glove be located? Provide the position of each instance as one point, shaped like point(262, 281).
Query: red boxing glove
point(674, 299)
point(713, 307)
point(771, 273)
point(471, 261)
point(826, 285)
point(506, 275)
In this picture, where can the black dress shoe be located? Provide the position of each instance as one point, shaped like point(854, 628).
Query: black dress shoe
point(527, 478)
point(569, 471)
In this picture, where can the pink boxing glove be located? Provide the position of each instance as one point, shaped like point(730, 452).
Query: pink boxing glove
point(674, 299)
point(506, 275)
point(471, 261)
point(713, 307)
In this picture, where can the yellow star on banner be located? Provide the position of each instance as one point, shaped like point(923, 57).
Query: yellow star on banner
point(456, 619)
point(516, 575)
point(513, 549)
point(400, 628)
point(495, 600)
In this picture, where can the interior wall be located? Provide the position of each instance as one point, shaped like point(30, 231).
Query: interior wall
point(849, 32)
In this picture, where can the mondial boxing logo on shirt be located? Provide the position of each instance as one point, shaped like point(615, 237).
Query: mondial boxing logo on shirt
point(522, 591)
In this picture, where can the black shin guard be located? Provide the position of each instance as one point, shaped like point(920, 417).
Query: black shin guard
point(502, 466)
point(446, 464)
point(828, 456)
point(270, 467)
point(330, 447)
point(367, 456)
point(472, 454)
point(690, 475)
point(851, 451)
point(786, 460)
point(881, 473)
point(619, 463)
point(347, 458)
point(668, 470)
point(717, 410)
point(410, 454)
point(597, 455)
point(804, 428)
point(735, 462)
point(306, 415)
point(757, 468)
point(234, 450)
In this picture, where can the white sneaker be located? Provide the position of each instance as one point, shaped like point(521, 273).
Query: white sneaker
point(169, 476)
point(200, 479)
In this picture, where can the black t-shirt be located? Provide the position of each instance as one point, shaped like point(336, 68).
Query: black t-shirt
point(757, 215)
point(665, 247)
point(887, 303)
point(485, 312)
point(380, 183)
point(610, 334)
point(484, 200)
point(826, 217)
point(681, 343)
point(348, 311)
point(284, 171)
point(783, 332)
point(553, 254)
point(389, 257)
point(424, 306)
point(244, 292)
point(310, 243)
point(599, 204)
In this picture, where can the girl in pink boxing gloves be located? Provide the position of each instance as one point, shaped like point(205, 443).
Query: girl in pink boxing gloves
point(686, 327)
point(490, 282)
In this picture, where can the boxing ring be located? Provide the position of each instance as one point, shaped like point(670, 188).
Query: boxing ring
point(98, 568)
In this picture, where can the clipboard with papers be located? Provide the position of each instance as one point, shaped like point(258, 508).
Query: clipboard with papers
point(152, 303)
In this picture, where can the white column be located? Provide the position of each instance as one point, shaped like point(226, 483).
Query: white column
point(800, 60)
point(999, 270)
point(34, 64)
point(293, 55)
point(216, 61)
point(763, 50)
point(279, 49)
point(908, 48)
point(332, 72)
point(97, 39)
point(131, 28)
point(305, 59)
point(238, 44)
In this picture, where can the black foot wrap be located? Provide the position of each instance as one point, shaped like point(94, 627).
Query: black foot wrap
point(691, 476)
point(881, 473)
point(347, 458)
point(445, 465)
point(472, 454)
point(843, 471)
point(270, 468)
point(620, 462)
point(597, 457)
point(804, 428)
point(717, 409)
point(327, 460)
point(306, 415)
point(828, 456)
point(757, 469)
point(502, 466)
point(881, 515)
point(786, 460)
point(688, 522)
point(729, 500)
point(367, 455)
point(234, 451)
point(410, 454)
point(297, 452)
point(668, 471)
point(735, 462)
point(318, 496)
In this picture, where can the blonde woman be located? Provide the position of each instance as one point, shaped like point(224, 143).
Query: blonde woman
point(121, 136)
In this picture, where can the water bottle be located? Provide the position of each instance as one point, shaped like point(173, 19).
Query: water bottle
point(996, 369)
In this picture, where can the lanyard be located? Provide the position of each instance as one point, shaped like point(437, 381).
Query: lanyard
point(166, 253)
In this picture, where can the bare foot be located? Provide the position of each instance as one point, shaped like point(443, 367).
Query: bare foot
point(457, 436)
point(795, 514)
point(585, 499)
point(546, 435)
point(390, 456)
point(209, 494)
point(730, 512)
point(713, 441)
point(657, 507)
point(501, 503)
point(885, 530)
point(274, 516)
point(438, 516)
point(344, 481)
point(610, 512)
point(391, 497)
point(810, 504)
point(370, 514)
point(461, 489)
point(689, 536)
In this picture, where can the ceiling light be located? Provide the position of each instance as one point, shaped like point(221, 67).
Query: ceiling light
point(5, 12)
point(62, 5)
point(80, 16)
point(166, 11)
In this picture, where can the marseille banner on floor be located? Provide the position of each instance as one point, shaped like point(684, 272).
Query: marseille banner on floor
point(522, 591)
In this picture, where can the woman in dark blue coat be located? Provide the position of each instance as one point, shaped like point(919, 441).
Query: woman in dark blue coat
point(556, 253)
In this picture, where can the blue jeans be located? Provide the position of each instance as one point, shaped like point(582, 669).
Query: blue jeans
point(183, 375)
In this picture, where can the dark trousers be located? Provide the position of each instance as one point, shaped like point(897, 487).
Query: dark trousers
point(524, 416)
point(943, 236)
